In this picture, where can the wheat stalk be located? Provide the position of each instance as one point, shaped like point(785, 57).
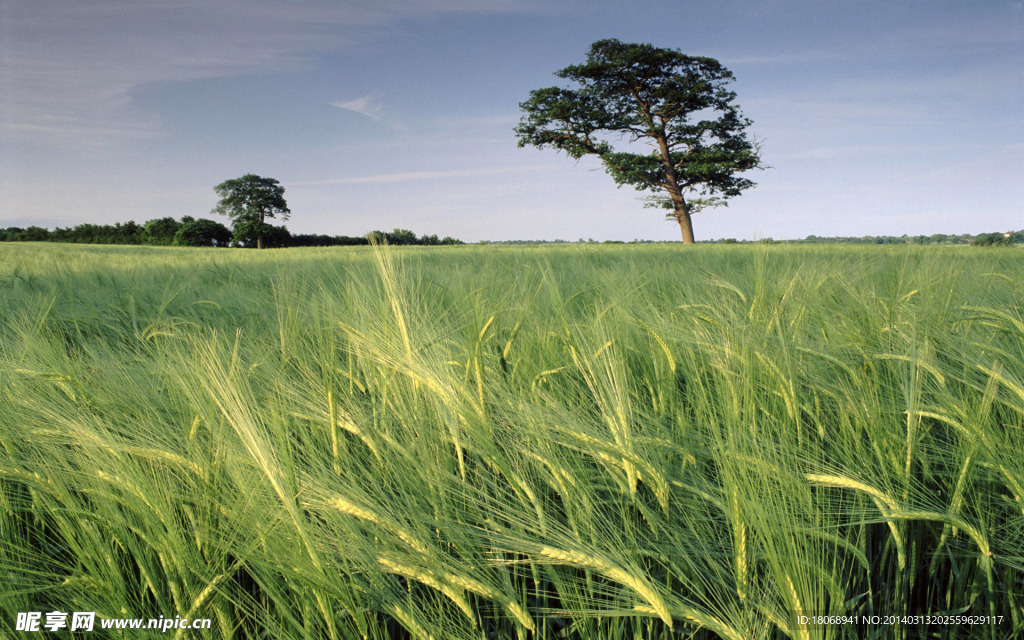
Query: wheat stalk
point(612, 572)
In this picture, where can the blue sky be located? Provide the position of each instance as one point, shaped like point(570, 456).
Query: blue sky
point(878, 118)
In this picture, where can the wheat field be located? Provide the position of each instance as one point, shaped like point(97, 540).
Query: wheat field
point(519, 442)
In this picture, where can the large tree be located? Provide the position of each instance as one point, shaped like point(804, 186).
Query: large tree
point(678, 104)
point(249, 201)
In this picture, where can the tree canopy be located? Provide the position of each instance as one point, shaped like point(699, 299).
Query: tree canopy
point(249, 201)
point(201, 233)
point(160, 231)
point(678, 104)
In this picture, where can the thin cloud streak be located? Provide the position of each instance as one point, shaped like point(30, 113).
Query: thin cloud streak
point(77, 64)
point(385, 178)
point(364, 105)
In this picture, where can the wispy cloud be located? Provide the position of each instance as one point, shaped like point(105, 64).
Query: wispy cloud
point(68, 70)
point(995, 33)
point(365, 105)
point(383, 178)
point(779, 59)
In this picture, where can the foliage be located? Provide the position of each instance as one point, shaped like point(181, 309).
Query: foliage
point(323, 240)
point(1015, 237)
point(564, 442)
point(678, 104)
point(132, 233)
point(161, 231)
point(120, 233)
point(395, 237)
point(399, 237)
point(255, 234)
point(208, 233)
point(201, 233)
point(249, 201)
point(34, 233)
point(996, 239)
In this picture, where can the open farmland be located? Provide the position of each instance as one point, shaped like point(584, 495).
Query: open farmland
point(522, 442)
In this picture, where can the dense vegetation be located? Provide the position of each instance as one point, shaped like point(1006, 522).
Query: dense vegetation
point(982, 239)
point(192, 232)
point(515, 442)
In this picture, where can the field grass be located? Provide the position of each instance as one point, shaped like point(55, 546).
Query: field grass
point(519, 442)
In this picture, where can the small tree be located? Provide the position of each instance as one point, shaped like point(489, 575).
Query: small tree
point(34, 234)
point(677, 103)
point(160, 231)
point(992, 240)
point(249, 201)
point(202, 233)
point(401, 237)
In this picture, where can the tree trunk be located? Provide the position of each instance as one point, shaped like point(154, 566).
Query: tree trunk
point(259, 242)
point(682, 213)
point(674, 191)
point(685, 224)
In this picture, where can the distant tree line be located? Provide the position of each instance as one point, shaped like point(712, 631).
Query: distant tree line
point(982, 239)
point(201, 232)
